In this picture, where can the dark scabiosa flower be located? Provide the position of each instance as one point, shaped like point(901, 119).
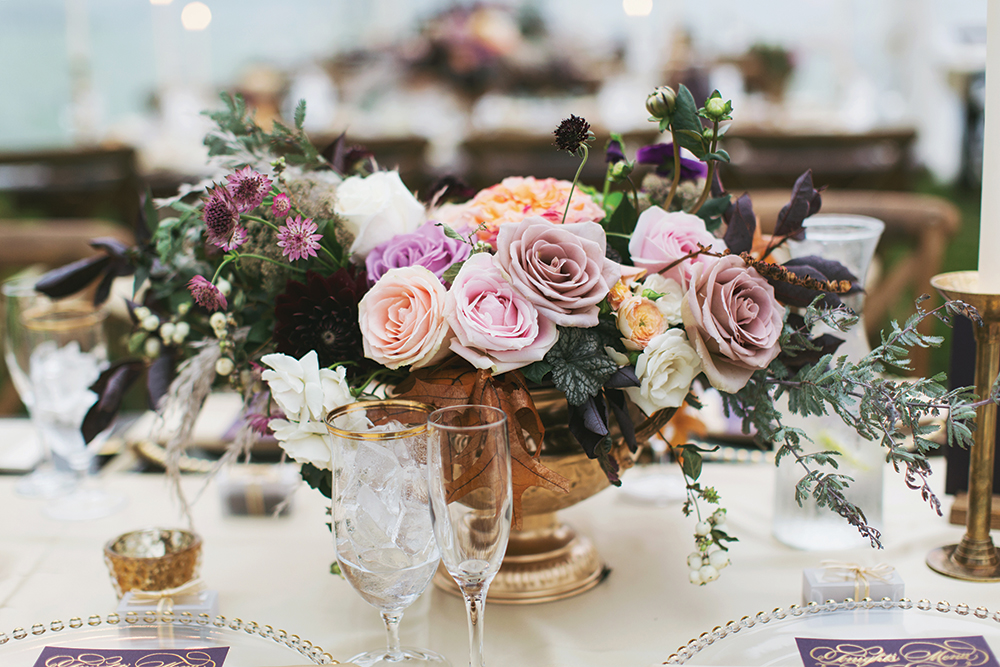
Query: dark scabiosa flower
point(662, 155)
point(248, 188)
point(206, 294)
point(572, 134)
point(222, 220)
point(614, 153)
point(322, 314)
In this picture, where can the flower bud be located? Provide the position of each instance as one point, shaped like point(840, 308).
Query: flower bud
point(717, 109)
point(183, 308)
point(620, 171)
point(150, 323)
point(151, 348)
point(661, 103)
point(224, 366)
point(718, 516)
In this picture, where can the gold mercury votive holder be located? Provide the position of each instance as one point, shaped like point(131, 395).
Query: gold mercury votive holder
point(152, 559)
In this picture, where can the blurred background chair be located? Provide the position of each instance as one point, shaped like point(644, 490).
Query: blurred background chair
point(911, 251)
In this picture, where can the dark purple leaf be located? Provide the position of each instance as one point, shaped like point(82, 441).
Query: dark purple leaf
point(805, 201)
point(619, 406)
point(159, 376)
point(147, 212)
point(448, 189)
point(799, 296)
point(103, 290)
point(717, 189)
point(830, 269)
point(623, 377)
point(110, 245)
point(335, 152)
point(72, 278)
point(110, 388)
point(740, 225)
point(588, 422)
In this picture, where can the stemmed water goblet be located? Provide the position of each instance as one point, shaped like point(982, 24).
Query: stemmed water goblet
point(381, 514)
point(471, 502)
point(55, 351)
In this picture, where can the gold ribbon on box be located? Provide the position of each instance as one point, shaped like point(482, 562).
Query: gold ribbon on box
point(861, 576)
point(167, 595)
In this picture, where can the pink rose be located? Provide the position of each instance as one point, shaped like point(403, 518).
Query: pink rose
point(662, 238)
point(733, 320)
point(559, 268)
point(402, 318)
point(495, 327)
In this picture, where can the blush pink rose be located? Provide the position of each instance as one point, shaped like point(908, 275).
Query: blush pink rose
point(495, 327)
point(732, 318)
point(561, 269)
point(402, 318)
point(662, 238)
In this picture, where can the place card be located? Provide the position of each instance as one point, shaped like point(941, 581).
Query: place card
point(54, 656)
point(939, 652)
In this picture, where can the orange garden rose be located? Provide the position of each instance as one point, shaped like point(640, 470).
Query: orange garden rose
point(516, 198)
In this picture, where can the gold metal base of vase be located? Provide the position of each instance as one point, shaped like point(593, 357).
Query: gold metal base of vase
point(545, 561)
point(954, 560)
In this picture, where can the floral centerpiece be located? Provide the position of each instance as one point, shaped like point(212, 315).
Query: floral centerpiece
point(306, 280)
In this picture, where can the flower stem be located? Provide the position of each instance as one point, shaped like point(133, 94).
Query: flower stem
point(677, 171)
point(569, 200)
point(254, 218)
point(272, 261)
point(225, 261)
point(711, 171)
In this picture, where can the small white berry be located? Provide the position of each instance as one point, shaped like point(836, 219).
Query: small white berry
point(217, 321)
point(695, 577)
point(152, 347)
point(224, 366)
point(141, 313)
point(183, 308)
point(695, 560)
point(167, 330)
point(702, 528)
point(224, 286)
point(722, 527)
point(708, 573)
point(718, 559)
point(151, 323)
point(719, 516)
point(181, 331)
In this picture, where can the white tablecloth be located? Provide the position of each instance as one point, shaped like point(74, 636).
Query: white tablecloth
point(276, 571)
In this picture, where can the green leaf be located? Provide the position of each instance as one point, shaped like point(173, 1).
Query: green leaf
point(452, 272)
point(300, 114)
point(720, 155)
point(537, 371)
point(686, 118)
point(622, 222)
point(580, 367)
point(317, 478)
point(449, 232)
point(691, 463)
point(711, 211)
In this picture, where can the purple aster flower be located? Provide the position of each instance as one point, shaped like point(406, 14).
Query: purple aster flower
point(662, 155)
point(281, 206)
point(206, 294)
point(297, 238)
point(248, 188)
point(428, 246)
point(614, 153)
point(222, 218)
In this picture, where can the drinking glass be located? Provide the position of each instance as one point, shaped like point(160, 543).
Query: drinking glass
point(55, 351)
point(471, 502)
point(381, 514)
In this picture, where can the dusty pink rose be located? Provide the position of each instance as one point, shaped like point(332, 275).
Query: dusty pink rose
point(402, 318)
point(559, 268)
point(661, 238)
point(732, 318)
point(495, 327)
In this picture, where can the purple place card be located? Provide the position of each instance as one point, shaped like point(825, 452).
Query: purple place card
point(54, 656)
point(938, 652)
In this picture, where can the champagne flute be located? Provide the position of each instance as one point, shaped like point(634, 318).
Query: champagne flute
point(471, 502)
point(381, 515)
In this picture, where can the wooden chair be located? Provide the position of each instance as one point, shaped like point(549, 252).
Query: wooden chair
point(918, 224)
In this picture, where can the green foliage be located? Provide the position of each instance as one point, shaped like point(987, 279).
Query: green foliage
point(580, 367)
point(239, 138)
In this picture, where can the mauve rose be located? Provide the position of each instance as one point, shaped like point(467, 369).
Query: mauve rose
point(402, 318)
point(429, 246)
point(495, 327)
point(662, 238)
point(561, 269)
point(733, 321)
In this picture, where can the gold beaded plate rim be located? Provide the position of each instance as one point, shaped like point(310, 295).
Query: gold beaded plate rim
point(152, 619)
point(830, 607)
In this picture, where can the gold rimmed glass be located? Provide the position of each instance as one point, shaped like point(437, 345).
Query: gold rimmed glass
point(381, 514)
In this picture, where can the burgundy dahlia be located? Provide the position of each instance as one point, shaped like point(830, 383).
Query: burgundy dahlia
point(322, 314)
point(248, 188)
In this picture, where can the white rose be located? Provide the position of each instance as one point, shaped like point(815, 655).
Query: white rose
point(336, 392)
point(669, 304)
point(376, 208)
point(666, 368)
point(295, 384)
point(306, 442)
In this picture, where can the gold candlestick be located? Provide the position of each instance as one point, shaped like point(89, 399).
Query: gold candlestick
point(975, 558)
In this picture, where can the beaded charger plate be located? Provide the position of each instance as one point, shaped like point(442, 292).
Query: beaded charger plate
point(768, 638)
point(250, 644)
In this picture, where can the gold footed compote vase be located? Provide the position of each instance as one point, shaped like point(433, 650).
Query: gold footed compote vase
point(976, 558)
point(547, 559)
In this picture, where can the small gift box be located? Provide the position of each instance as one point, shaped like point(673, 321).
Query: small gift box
point(191, 598)
point(258, 489)
point(838, 581)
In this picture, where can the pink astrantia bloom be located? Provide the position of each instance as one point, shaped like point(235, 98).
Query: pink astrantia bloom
point(297, 238)
point(206, 294)
point(222, 218)
point(248, 188)
point(281, 205)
